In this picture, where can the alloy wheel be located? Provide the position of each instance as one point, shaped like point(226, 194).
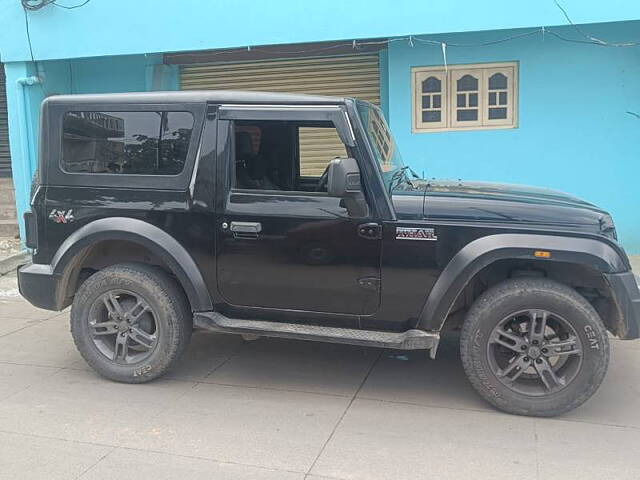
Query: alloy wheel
point(123, 327)
point(534, 352)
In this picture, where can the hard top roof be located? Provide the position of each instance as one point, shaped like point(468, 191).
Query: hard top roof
point(197, 96)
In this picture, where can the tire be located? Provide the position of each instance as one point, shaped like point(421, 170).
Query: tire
point(507, 366)
point(137, 310)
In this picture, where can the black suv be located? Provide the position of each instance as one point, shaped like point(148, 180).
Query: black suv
point(294, 216)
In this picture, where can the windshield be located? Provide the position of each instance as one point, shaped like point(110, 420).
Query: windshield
point(384, 147)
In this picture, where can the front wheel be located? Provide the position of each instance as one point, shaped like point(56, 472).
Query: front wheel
point(534, 346)
point(130, 322)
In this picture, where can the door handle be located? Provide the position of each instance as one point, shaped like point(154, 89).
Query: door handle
point(246, 227)
point(246, 230)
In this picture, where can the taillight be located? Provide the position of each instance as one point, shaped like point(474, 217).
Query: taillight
point(31, 230)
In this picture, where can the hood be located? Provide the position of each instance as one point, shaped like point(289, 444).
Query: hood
point(496, 202)
point(505, 191)
point(446, 200)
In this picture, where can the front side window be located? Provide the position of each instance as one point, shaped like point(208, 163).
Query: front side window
point(317, 147)
point(285, 156)
point(465, 97)
point(128, 143)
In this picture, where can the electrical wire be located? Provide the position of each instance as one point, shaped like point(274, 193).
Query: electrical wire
point(571, 40)
point(590, 38)
point(34, 5)
point(26, 26)
point(70, 7)
point(481, 44)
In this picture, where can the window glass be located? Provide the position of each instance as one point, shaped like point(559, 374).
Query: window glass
point(497, 81)
point(283, 155)
point(498, 90)
point(130, 143)
point(431, 99)
point(318, 146)
point(467, 87)
point(384, 148)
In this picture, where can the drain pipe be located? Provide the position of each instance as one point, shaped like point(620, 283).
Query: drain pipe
point(25, 143)
point(25, 127)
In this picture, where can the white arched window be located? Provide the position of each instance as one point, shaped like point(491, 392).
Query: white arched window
point(465, 97)
point(430, 108)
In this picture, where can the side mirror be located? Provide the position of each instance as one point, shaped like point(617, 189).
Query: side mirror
point(344, 178)
point(344, 182)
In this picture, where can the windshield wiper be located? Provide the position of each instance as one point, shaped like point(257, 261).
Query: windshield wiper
point(400, 176)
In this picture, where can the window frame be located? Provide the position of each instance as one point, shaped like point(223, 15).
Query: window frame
point(449, 93)
point(56, 175)
point(334, 114)
point(295, 158)
point(345, 121)
point(418, 75)
point(170, 175)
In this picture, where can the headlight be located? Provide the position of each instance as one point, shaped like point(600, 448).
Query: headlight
point(607, 227)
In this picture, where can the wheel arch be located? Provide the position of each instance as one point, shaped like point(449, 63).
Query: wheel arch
point(481, 253)
point(70, 256)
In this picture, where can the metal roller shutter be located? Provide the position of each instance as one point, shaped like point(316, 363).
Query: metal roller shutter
point(5, 159)
point(348, 76)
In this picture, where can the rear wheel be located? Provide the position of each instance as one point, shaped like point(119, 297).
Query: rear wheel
point(130, 322)
point(534, 347)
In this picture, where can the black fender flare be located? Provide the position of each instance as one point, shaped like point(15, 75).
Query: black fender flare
point(484, 251)
point(145, 234)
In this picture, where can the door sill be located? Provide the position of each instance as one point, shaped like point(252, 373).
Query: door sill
point(410, 340)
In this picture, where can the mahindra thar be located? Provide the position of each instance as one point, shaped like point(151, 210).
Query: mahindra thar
point(294, 216)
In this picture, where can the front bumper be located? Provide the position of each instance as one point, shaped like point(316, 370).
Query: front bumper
point(40, 286)
point(626, 290)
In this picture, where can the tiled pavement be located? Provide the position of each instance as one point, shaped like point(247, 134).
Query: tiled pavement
point(277, 409)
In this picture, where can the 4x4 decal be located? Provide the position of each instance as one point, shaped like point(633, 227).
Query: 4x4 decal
point(62, 216)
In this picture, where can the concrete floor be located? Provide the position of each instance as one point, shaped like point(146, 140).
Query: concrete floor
point(276, 409)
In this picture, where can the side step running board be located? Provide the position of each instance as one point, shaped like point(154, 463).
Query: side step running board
point(409, 340)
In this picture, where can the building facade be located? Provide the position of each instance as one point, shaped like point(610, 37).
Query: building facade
point(492, 91)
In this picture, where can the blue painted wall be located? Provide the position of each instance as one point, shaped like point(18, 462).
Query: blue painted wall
point(574, 131)
point(125, 27)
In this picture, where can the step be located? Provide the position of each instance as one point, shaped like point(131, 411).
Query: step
point(8, 205)
point(7, 195)
point(6, 182)
point(8, 228)
point(409, 340)
point(7, 213)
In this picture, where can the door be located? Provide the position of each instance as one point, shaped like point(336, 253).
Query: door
point(282, 242)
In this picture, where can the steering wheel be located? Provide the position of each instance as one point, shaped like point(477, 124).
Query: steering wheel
point(324, 180)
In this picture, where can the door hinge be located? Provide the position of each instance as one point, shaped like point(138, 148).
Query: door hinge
point(371, 231)
point(369, 283)
point(212, 111)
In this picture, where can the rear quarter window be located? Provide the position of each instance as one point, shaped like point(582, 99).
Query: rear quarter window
point(126, 143)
